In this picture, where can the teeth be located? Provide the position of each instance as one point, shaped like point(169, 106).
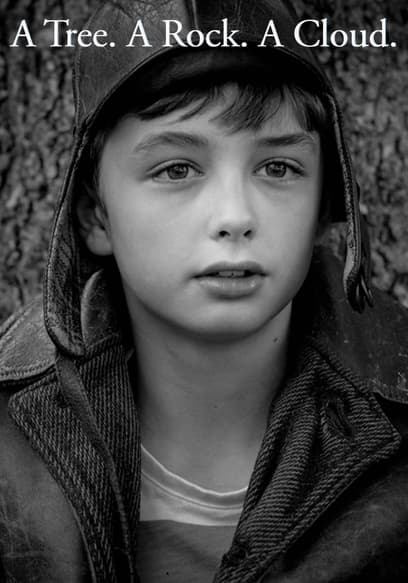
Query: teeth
point(231, 273)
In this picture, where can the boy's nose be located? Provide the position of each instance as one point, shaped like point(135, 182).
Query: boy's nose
point(232, 216)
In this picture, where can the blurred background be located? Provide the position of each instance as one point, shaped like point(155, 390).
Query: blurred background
point(36, 113)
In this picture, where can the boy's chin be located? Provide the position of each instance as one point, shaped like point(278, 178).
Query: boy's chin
point(213, 322)
point(229, 328)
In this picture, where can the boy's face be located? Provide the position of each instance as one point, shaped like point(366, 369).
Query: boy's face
point(212, 230)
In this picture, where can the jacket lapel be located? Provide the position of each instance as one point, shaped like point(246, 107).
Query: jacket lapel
point(57, 435)
point(326, 430)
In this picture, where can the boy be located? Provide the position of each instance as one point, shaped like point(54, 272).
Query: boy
point(198, 401)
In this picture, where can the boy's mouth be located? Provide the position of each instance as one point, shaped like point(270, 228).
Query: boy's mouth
point(232, 280)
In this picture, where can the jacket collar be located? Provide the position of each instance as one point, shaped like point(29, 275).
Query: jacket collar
point(324, 434)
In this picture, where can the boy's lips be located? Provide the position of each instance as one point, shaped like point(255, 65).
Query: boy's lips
point(232, 280)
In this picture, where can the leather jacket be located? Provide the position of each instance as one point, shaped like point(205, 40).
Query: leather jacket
point(328, 498)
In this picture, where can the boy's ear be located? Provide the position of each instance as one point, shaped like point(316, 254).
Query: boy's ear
point(93, 225)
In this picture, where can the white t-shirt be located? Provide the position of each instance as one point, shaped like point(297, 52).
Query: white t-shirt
point(185, 529)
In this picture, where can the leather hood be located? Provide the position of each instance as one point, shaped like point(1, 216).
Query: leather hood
point(100, 72)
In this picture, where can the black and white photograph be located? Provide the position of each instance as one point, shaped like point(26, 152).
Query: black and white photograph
point(203, 291)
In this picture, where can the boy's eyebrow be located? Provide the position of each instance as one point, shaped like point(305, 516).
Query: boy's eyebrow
point(183, 139)
point(170, 139)
point(288, 139)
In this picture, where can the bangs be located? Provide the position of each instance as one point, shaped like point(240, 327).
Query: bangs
point(248, 106)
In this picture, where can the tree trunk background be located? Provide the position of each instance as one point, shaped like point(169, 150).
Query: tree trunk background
point(36, 115)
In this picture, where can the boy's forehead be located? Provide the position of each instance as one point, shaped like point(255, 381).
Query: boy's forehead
point(186, 127)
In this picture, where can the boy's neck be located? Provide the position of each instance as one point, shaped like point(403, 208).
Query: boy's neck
point(203, 406)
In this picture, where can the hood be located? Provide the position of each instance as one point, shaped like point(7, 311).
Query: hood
point(100, 72)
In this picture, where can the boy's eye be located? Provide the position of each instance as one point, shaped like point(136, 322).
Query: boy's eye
point(279, 169)
point(176, 172)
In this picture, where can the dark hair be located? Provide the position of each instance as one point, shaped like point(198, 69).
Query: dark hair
point(251, 106)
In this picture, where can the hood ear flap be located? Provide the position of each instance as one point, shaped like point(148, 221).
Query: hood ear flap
point(357, 268)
